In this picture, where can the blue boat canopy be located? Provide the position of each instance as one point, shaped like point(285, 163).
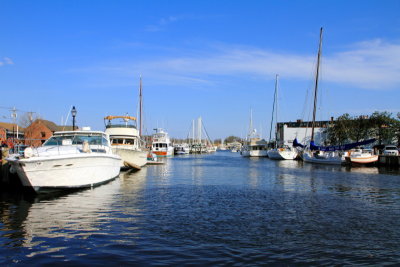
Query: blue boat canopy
point(341, 147)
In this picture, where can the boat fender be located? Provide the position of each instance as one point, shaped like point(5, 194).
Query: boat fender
point(28, 152)
point(12, 169)
point(85, 147)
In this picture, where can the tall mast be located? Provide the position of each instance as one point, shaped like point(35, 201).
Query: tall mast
point(316, 84)
point(193, 138)
point(273, 109)
point(251, 124)
point(140, 107)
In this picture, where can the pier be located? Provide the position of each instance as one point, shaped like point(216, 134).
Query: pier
point(385, 160)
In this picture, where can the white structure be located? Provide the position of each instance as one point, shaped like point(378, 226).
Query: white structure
point(288, 131)
point(181, 149)
point(72, 159)
point(125, 142)
point(254, 146)
point(282, 153)
point(161, 144)
point(198, 143)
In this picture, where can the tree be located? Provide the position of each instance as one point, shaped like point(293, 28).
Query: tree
point(231, 139)
point(339, 132)
point(27, 118)
point(383, 126)
point(217, 141)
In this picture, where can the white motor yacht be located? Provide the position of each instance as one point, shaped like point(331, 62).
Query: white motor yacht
point(256, 147)
point(71, 159)
point(360, 157)
point(181, 149)
point(161, 145)
point(125, 142)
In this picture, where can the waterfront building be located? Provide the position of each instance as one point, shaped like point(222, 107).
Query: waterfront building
point(11, 131)
point(288, 131)
point(41, 130)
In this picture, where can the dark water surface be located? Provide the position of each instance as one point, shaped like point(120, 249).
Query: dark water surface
point(218, 209)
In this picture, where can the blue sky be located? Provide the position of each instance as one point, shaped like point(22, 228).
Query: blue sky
point(215, 59)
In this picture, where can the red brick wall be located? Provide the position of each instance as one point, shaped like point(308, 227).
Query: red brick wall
point(36, 134)
point(2, 135)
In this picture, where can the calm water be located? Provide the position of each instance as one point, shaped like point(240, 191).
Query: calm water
point(218, 209)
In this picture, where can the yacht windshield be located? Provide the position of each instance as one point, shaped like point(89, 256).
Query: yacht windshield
point(58, 140)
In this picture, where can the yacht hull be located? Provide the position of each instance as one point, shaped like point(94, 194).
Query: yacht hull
point(130, 157)
point(281, 155)
point(328, 160)
point(67, 172)
point(164, 153)
point(362, 160)
point(254, 153)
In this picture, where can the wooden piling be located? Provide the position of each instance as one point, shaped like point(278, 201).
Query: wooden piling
point(393, 161)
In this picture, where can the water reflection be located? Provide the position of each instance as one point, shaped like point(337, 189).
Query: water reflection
point(218, 209)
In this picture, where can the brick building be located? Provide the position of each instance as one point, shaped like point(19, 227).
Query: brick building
point(11, 131)
point(41, 130)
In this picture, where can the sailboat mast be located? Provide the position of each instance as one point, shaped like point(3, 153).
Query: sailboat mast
point(273, 108)
point(251, 124)
point(316, 84)
point(140, 107)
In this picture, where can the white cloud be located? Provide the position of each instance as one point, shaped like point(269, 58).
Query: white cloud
point(161, 24)
point(6, 61)
point(368, 65)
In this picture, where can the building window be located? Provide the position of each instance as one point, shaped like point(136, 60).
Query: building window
point(43, 134)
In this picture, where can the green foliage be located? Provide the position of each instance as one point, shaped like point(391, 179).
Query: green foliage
point(380, 125)
point(231, 139)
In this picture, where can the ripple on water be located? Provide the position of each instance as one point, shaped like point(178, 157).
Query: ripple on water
point(209, 210)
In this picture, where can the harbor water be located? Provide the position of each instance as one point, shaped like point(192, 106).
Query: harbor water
point(211, 209)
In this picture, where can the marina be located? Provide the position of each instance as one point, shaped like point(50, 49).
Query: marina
point(199, 133)
point(210, 209)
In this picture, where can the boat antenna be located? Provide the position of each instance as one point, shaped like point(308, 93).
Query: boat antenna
point(316, 84)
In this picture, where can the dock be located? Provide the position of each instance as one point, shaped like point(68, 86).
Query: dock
point(393, 161)
point(7, 180)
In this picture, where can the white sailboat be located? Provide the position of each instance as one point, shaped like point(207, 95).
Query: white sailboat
point(200, 141)
point(279, 152)
point(310, 153)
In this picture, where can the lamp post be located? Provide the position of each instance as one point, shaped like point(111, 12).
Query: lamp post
point(73, 112)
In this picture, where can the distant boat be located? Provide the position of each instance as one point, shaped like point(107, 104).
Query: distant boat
point(361, 157)
point(200, 141)
point(125, 142)
point(67, 160)
point(254, 146)
point(279, 152)
point(161, 144)
point(181, 149)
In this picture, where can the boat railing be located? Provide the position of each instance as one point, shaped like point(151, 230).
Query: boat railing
point(77, 148)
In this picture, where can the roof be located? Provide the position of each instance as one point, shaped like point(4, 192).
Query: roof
point(120, 117)
point(11, 126)
point(54, 127)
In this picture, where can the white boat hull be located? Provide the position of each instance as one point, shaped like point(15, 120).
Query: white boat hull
point(67, 171)
point(281, 154)
point(362, 160)
point(334, 160)
point(164, 152)
point(130, 157)
point(254, 153)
